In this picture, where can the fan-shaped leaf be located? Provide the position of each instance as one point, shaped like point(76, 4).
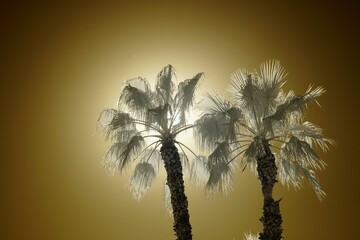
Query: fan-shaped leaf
point(186, 94)
point(312, 134)
point(164, 84)
point(136, 100)
point(221, 177)
point(301, 151)
point(199, 170)
point(221, 154)
point(153, 157)
point(141, 179)
point(167, 200)
point(209, 129)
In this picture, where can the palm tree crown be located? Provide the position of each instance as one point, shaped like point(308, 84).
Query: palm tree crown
point(261, 120)
point(159, 114)
point(261, 112)
point(145, 113)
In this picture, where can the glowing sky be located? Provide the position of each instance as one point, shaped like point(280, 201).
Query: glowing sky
point(62, 63)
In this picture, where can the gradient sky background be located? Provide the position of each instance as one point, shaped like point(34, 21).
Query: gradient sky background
point(62, 63)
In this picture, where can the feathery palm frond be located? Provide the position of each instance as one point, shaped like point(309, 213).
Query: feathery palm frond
point(112, 121)
point(199, 170)
point(123, 135)
point(246, 91)
point(311, 133)
point(135, 144)
point(292, 105)
point(105, 118)
point(220, 154)
point(141, 179)
point(159, 115)
point(214, 104)
point(220, 121)
point(221, 177)
point(164, 84)
point(153, 157)
point(185, 95)
point(290, 173)
point(185, 165)
point(272, 73)
point(120, 153)
point(112, 157)
point(314, 182)
point(250, 236)
point(209, 129)
point(167, 200)
point(272, 76)
point(300, 151)
point(250, 154)
point(137, 97)
point(121, 121)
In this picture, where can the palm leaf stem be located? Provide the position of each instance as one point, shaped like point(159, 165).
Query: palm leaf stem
point(236, 156)
point(158, 141)
point(183, 129)
point(179, 143)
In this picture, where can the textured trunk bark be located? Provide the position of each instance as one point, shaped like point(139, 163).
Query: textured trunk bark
point(271, 218)
point(179, 203)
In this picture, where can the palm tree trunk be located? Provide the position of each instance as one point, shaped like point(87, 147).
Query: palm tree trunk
point(179, 203)
point(271, 218)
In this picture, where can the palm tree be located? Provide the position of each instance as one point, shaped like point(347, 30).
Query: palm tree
point(158, 114)
point(261, 120)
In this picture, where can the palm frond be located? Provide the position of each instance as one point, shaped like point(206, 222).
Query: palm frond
point(159, 115)
point(250, 154)
point(167, 200)
point(290, 173)
point(219, 121)
point(245, 90)
point(141, 180)
point(112, 157)
point(137, 100)
point(186, 94)
point(120, 153)
point(214, 104)
point(251, 236)
point(209, 129)
point(105, 118)
point(272, 76)
point(124, 135)
point(220, 154)
point(164, 84)
point(120, 121)
point(221, 177)
point(271, 72)
point(293, 173)
point(199, 171)
point(300, 151)
point(185, 165)
point(312, 134)
point(233, 126)
point(314, 182)
point(312, 93)
point(153, 157)
point(292, 105)
point(111, 121)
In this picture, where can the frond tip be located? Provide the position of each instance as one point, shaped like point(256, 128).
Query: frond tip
point(221, 177)
point(251, 236)
point(120, 153)
point(141, 179)
point(199, 171)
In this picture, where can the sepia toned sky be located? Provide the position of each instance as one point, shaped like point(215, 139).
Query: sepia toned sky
point(62, 63)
